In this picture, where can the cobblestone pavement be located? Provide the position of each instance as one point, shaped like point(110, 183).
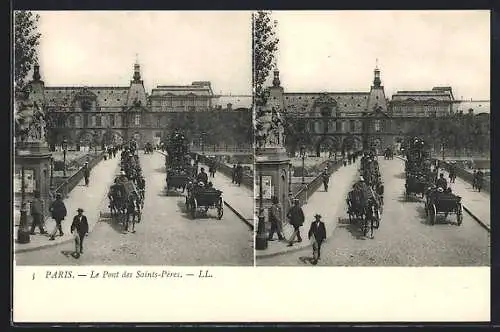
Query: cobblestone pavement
point(166, 235)
point(403, 239)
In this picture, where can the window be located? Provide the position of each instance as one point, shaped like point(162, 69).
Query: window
point(112, 120)
point(98, 121)
point(352, 126)
point(158, 122)
point(93, 121)
point(137, 119)
point(78, 121)
point(377, 125)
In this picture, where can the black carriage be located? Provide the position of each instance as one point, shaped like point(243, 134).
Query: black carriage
point(416, 184)
point(363, 211)
point(200, 198)
point(444, 203)
point(148, 148)
point(119, 195)
point(178, 178)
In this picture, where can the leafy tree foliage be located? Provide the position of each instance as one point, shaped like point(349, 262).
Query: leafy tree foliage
point(26, 40)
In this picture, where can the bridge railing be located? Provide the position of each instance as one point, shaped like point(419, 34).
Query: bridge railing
point(68, 184)
point(247, 179)
point(464, 175)
point(208, 149)
point(310, 188)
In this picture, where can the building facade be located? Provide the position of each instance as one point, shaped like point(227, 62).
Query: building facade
point(90, 116)
point(438, 102)
point(342, 120)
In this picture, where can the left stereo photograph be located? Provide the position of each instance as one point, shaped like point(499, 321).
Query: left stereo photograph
point(133, 138)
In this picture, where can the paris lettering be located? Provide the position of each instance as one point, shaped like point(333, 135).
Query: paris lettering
point(58, 274)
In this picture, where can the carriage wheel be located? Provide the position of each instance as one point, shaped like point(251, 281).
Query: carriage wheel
point(193, 206)
point(432, 214)
point(220, 209)
point(460, 215)
point(426, 208)
point(364, 225)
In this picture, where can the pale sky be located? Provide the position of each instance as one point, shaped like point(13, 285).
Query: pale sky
point(98, 48)
point(416, 50)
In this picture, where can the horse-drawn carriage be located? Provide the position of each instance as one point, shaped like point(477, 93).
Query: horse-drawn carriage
point(124, 201)
point(388, 154)
point(148, 148)
point(418, 168)
point(179, 177)
point(442, 202)
point(201, 198)
point(364, 209)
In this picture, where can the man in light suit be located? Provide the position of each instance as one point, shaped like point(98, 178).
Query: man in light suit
point(79, 228)
point(317, 230)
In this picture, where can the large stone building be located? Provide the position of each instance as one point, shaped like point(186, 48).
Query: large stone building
point(338, 119)
point(110, 114)
point(437, 102)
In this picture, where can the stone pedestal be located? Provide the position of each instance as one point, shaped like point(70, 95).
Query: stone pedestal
point(35, 158)
point(273, 165)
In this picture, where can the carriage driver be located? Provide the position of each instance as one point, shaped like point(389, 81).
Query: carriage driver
point(122, 178)
point(366, 190)
point(202, 176)
point(441, 182)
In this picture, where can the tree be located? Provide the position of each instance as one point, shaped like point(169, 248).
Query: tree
point(26, 40)
point(265, 44)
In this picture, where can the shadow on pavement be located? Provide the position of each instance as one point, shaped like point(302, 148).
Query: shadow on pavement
point(114, 223)
point(170, 193)
point(400, 175)
point(410, 199)
point(69, 253)
point(160, 170)
point(307, 260)
point(211, 213)
point(440, 218)
point(181, 204)
point(353, 228)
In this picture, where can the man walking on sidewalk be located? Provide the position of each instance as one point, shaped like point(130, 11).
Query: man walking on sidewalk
point(86, 173)
point(296, 217)
point(37, 214)
point(275, 220)
point(58, 210)
point(318, 233)
point(326, 178)
point(79, 228)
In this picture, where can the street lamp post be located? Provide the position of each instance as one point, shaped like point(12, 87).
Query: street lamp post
point(290, 170)
point(261, 237)
point(203, 143)
point(303, 155)
point(51, 172)
point(65, 147)
point(23, 235)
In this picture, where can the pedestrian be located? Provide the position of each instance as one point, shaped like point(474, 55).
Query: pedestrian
point(239, 174)
point(79, 229)
point(326, 178)
point(344, 161)
point(37, 209)
point(275, 220)
point(58, 211)
point(86, 173)
point(317, 234)
point(296, 219)
point(233, 174)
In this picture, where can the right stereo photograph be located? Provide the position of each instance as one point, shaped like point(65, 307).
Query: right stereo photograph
point(372, 138)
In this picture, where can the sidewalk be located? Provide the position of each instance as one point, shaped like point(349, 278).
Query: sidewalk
point(477, 204)
point(88, 198)
point(238, 199)
point(330, 205)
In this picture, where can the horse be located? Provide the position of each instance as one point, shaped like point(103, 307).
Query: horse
point(116, 200)
point(133, 209)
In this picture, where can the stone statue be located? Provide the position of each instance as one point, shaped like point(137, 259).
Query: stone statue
point(269, 129)
point(30, 121)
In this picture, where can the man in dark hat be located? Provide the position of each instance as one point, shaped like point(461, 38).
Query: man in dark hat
point(296, 217)
point(86, 173)
point(37, 214)
point(79, 228)
point(275, 220)
point(318, 232)
point(202, 176)
point(58, 211)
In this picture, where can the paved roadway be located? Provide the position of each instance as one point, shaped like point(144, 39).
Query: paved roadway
point(403, 239)
point(166, 235)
